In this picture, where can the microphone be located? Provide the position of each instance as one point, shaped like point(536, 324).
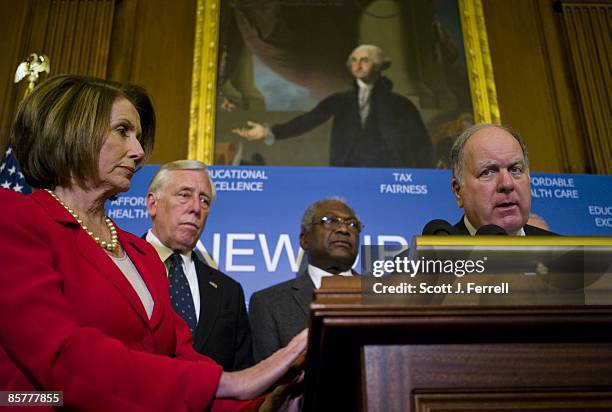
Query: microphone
point(439, 227)
point(488, 230)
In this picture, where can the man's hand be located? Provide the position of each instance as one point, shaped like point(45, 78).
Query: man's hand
point(253, 131)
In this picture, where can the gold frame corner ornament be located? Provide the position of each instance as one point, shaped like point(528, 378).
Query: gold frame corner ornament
point(203, 82)
point(480, 69)
point(205, 58)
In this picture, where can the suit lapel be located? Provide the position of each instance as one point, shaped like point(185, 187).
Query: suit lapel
point(531, 231)
point(460, 225)
point(139, 259)
point(536, 231)
point(100, 261)
point(302, 289)
point(210, 302)
point(95, 256)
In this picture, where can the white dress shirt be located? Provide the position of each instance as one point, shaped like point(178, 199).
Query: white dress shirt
point(365, 90)
point(472, 229)
point(316, 274)
point(188, 267)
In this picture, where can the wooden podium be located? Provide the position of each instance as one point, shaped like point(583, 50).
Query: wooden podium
point(372, 357)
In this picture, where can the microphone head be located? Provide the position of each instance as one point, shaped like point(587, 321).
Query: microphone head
point(491, 230)
point(438, 227)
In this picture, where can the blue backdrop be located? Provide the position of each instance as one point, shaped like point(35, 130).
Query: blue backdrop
point(253, 228)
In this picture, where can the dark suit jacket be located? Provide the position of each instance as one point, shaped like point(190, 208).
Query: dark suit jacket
point(223, 331)
point(393, 136)
point(71, 321)
point(529, 230)
point(571, 296)
point(278, 313)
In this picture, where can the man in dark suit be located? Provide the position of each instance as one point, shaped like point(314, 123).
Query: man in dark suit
point(329, 234)
point(491, 180)
point(372, 126)
point(179, 198)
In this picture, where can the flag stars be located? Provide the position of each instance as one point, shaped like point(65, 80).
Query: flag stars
point(10, 175)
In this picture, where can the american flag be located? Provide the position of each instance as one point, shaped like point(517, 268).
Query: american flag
point(10, 174)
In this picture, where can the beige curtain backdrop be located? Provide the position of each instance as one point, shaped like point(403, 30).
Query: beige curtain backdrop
point(78, 36)
point(588, 28)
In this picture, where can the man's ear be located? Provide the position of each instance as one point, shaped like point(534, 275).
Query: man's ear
point(456, 187)
point(151, 204)
point(303, 242)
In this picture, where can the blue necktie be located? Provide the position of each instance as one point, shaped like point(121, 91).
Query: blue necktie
point(180, 294)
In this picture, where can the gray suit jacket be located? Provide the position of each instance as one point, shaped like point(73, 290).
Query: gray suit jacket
point(278, 313)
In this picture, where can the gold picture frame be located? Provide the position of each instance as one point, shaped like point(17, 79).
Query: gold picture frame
point(204, 74)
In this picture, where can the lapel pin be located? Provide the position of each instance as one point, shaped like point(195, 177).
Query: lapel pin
point(213, 284)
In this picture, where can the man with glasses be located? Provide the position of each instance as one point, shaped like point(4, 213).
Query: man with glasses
point(329, 234)
point(212, 304)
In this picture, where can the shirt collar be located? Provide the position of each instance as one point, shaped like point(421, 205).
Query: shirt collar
point(472, 229)
point(316, 274)
point(363, 85)
point(162, 250)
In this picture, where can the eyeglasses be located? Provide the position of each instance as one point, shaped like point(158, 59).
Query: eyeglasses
point(335, 222)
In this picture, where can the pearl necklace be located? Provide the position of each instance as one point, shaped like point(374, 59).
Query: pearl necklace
point(110, 246)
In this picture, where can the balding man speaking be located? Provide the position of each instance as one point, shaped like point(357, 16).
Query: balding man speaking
point(491, 180)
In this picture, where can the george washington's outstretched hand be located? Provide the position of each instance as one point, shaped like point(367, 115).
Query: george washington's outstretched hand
point(253, 131)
